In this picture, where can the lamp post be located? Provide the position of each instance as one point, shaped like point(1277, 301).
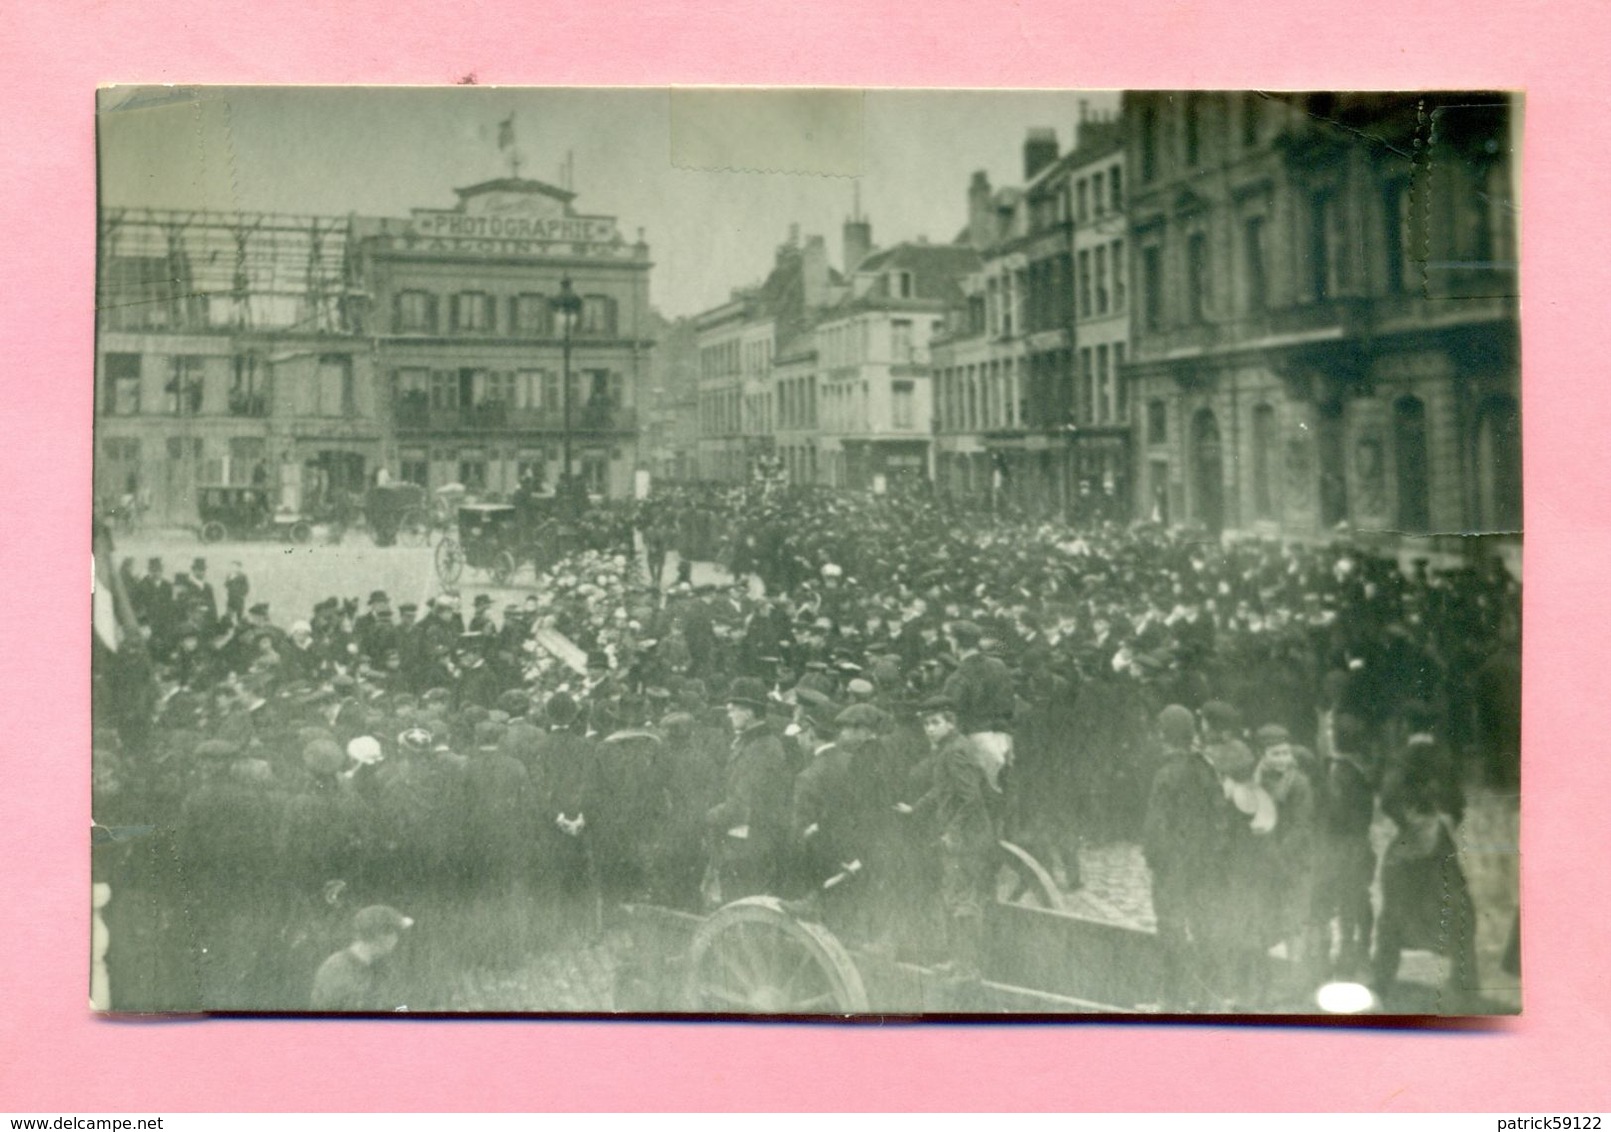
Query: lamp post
point(566, 306)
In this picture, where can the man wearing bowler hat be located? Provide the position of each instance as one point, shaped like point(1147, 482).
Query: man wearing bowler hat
point(204, 599)
point(749, 825)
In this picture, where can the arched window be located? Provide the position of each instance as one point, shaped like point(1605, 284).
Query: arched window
point(1410, 456)
point(1264, 440)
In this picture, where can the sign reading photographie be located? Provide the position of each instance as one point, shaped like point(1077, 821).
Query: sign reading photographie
point(453, 225)
point(514, 234)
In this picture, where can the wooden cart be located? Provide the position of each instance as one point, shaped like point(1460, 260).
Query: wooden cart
point(761, 956)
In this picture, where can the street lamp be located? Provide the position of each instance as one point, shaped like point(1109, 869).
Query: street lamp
point(567, 307)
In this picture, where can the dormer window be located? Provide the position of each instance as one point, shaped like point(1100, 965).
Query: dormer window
point(902, 285)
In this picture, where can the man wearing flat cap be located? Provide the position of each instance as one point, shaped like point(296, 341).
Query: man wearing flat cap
point(1186, 840)
point(822, 796)
point(957, 816)
point(498, 791)
point(873, 832)
point(749, 825)
point(351, 979)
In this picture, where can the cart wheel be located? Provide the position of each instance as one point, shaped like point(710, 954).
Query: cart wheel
point(213, 532)
point(1020, 879)
point(503, 567)
point(449, 561)
point(414, 529)
point(301, 533)
point(752, 957)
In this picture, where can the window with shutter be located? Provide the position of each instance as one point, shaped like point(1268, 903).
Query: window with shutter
point(121, 394)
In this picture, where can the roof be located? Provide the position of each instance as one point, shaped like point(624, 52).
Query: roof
point(1050, 172)
point(935, 268)
point(516, 185)
point(1098, 138)
point(781, 296)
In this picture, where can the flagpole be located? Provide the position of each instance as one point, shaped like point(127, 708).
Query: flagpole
point(506, 140)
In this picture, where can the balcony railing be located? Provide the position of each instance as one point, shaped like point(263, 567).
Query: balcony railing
point(498, 418)
point(1330, 318)
point(1459, 294)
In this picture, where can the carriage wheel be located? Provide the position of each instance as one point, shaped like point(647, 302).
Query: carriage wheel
point(301, 533)
point(503, 567)
point(752, 957)
point(1020, 879)
point(414, 528)
point(213, 532)
point(449, 561)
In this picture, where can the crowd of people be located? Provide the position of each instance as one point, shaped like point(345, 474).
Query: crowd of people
point(882, 692)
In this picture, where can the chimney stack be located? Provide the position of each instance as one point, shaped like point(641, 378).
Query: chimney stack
point(814, 271)
point(858, 242)
point(1040, 150)
point(981, 228)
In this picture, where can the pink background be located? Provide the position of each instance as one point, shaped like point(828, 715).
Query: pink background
point(55, 1056)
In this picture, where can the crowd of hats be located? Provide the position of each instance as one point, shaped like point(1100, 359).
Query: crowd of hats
point(1102, 628)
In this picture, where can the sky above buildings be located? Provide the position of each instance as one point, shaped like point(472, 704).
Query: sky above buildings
point(384, 151)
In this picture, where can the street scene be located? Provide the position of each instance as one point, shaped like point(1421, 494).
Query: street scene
point(547, 578)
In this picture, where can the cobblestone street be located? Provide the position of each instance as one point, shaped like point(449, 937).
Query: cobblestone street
point(1118, 888)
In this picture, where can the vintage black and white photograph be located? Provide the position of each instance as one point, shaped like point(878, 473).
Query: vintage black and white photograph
point(806, 552)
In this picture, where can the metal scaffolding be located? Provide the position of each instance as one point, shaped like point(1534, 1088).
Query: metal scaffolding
point(165, 269)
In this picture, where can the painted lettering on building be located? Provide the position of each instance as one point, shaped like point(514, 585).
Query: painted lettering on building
point(449, 225)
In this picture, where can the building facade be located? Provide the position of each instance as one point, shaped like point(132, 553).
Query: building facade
point(794, 375)
point(1100, 437)
point(471, 344)
point(669, 416)
point(730, 388)
point(873, 384)
point(229, 350)
point(1325, 324)
point(981, 395)
point(738, 341)
point(1032, 416)
point(304, 354)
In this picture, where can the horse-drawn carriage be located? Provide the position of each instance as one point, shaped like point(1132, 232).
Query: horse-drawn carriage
point(762, 955)
point(398, 512)
point(500, 538)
